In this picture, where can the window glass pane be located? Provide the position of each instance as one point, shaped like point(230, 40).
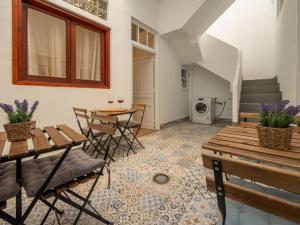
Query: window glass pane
point(95, 7)
point(87, 54)
point(46, 45)
point(142, 36)
point(134, 30)
point(150, 40)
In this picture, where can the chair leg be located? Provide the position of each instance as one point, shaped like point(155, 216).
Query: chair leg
point(51, 207)
point(135, 137)
point(60, 212)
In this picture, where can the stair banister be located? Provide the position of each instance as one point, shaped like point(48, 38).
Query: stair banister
point(236, 88)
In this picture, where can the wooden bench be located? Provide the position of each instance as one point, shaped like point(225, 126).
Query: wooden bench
point(244, 116)
point(250, 193)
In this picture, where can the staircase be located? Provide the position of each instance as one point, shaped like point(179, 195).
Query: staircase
point(255, 92)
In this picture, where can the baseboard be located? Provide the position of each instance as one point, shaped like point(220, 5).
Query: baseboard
point(171, 123)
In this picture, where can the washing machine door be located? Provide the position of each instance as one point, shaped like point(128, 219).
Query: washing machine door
point(202, 108)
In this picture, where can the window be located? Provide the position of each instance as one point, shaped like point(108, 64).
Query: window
point(134, 30)
point(184, 78)
point(56, 48)
point(142, 36)
point(95, 7)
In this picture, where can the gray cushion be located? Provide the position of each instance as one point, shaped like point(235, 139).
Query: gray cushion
point(95, 132)
point(241, 214)
point(131, 124)
point(8, 185)
point(75, 165)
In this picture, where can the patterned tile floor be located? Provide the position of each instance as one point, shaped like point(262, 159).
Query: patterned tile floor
point(135, 199)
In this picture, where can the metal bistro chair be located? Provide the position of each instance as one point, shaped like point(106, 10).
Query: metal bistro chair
point(77, 168)
point(133, 126)
point(8, 188)
point(106, 125)
point(83, 119)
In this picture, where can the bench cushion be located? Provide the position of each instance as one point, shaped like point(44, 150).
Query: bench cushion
point(8, 185)
point(241, 214)
point(75, 165)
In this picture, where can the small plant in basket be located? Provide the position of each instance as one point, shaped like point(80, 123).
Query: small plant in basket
point(20, 126)
point(275, 120)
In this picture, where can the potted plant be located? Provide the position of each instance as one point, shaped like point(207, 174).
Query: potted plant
point(20, 126)
point(275, 129)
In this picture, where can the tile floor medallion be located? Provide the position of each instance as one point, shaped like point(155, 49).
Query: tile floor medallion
point(135, 199)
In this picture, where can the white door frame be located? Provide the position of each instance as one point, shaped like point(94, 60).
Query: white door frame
point(155, 80)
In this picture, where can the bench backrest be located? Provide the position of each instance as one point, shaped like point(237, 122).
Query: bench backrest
point(267, 175)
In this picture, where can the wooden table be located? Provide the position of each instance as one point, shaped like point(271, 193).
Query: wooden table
point(49, 139)
point(243, 142)
point(114, 112)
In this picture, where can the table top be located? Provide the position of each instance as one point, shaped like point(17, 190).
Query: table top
point(113, 112)
point(243, 142)
point(50, 138)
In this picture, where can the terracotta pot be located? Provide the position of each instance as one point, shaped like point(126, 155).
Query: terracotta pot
point(276, 138)
point(20, 131)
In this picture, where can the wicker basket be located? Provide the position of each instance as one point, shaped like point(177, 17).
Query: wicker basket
point(276, 138)
point(19, 131)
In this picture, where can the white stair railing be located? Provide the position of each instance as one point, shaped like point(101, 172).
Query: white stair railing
point(237, 88)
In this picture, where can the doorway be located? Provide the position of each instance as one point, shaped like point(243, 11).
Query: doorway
point(144, 85)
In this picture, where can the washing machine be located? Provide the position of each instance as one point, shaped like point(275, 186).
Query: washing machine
point(203, 110)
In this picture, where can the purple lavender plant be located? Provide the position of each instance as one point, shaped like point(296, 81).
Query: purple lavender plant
point(7, 108)
point(277, 114)
point(33, 107)
point(20, 114)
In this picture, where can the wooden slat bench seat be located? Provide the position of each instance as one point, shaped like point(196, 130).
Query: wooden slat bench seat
point(40, 141)
point(75, 136)
point(59, 140)
point(244, 116)
point(270, 200)
point(18, 149)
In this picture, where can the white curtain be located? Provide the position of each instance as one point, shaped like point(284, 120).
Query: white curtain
point(46, 45)
point(87, 54)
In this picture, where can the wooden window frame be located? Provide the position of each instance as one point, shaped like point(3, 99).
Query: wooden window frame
point(19, 32)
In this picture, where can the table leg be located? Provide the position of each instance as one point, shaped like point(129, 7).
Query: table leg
point(19, 195)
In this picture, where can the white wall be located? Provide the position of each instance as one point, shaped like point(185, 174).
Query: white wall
point(207, 84)
point(56, 103)
point(174, 101)
point(173, 14)
point(286, 56)
point(249, 26)
point(218, 57)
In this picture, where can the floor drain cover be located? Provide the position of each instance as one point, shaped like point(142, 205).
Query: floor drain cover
point(161, 178)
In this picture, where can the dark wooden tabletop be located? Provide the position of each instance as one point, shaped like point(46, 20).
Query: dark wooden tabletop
point(243, 142)
point(45, 140)
point(114, 113)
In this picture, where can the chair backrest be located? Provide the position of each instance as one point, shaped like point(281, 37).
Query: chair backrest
point(81, 117)
point(139, 112)
point(267, 175)
point(106, 125)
